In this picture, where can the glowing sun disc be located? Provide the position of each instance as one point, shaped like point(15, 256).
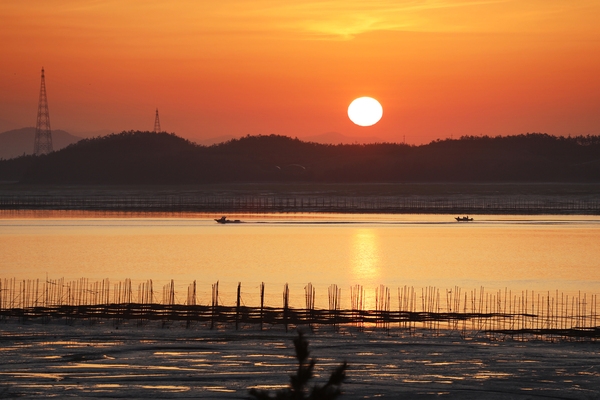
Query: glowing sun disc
point(365, 111)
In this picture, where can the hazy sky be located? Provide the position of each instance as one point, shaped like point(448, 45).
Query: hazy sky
point(237, 67)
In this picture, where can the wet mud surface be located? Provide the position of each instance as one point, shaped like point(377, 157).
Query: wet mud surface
point(155, 361)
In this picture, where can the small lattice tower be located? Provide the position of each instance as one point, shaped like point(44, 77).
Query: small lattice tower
point(157, 123)
point(43, 135)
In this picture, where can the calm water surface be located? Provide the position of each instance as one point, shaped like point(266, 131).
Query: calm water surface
point(516, 252)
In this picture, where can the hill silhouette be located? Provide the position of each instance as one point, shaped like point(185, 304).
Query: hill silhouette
point(338, 138)
point(18, 142)
point(162, 158)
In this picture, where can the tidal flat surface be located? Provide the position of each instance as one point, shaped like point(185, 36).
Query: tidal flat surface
point(105, 360)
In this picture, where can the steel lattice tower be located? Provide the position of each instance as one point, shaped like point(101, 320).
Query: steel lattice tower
point(157, 123)
point(43, 135)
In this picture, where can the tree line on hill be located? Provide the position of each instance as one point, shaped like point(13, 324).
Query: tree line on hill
point(161, 158)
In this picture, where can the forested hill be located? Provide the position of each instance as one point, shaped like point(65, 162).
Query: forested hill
point(150, 158)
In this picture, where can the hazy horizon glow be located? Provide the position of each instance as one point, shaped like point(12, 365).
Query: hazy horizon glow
point(441, 67)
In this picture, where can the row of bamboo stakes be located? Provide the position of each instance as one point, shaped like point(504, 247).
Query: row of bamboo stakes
point(430, 308)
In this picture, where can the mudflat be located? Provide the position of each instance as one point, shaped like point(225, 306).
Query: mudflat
point(106, 360)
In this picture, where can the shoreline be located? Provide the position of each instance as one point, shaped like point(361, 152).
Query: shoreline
point(391, 198)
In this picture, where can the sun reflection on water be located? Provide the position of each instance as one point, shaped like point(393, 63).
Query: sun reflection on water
point(366, 270)
point(365, 260)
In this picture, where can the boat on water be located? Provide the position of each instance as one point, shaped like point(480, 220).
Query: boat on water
point(463, 219)
point(224, 220)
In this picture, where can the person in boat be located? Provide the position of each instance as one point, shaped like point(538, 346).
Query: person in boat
point(224, 220)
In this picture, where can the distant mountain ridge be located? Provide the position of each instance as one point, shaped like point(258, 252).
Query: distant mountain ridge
point(18, 142)
point(324, 138)
point(160, 158)
point(214, 140)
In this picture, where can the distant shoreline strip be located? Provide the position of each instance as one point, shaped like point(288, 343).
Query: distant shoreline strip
point(467, 205)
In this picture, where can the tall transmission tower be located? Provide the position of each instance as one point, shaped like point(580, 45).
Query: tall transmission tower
point(43, 135)
point(157, 123)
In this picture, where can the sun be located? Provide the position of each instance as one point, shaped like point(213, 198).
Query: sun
point(365, 111)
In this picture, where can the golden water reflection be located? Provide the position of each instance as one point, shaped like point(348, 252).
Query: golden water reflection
point(366, 269)
point(541, 253)
point(365, 257)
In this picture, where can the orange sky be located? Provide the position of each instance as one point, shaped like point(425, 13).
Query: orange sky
point(237, 67)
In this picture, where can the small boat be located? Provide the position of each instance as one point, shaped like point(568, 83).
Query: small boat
point(224, 220)
point(463, 219)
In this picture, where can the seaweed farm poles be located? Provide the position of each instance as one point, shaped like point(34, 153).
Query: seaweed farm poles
point(382, 307)
point(237, 305)
point(430, 303)
point(215, 304)
point(310, 294)
point(191, 295)
point(262, 304)
point(169, 293)
point(144, 202)
point(191, 302)
point(286, 301)
point(146, 292)
point(335, 294)
point(407, 301)
point(357, 304)
point(453, 298)
point(529, 313)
